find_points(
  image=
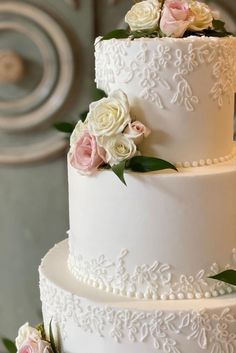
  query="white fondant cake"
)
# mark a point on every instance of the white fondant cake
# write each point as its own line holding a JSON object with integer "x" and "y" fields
{"x": 160, "y": 237}
{"x": 135, "y": 274}
{"x": 92, "y": 321}
{"x": 182, "y": 89}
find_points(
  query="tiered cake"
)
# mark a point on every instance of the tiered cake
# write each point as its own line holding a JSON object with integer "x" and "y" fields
{"x": 134, "y": 275}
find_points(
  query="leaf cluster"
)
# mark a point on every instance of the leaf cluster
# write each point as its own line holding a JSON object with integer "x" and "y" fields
{"x": 218, "y": 30}
{"x": 141, "y": 164}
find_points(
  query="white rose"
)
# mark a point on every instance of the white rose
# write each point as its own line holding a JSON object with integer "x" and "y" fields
{"x": 119, "y": 148}
{"x": 109, "y": 116}
{"x": 202, "y": 16}
{"x": 77, "y": 132}
{"x": 137, "y": 131}
{"x": 24, "y": 333}
{"x": 144, "y": 15}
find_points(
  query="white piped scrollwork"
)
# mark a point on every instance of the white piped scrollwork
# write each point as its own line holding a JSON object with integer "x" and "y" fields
{"x": 147, "y": 67}
{"x": 155, "y": 281}
{"x": 209, "y": 330}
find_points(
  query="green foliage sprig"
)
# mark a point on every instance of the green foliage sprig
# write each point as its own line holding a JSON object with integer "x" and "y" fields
{"x": 141, "y": 164}
{"x": 228, "y": 276}
{"x": 218, "y": 30}
{"x": 9, "y": 345}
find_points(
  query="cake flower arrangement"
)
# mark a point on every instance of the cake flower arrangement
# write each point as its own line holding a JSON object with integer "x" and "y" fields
{"x": 170, "y": 18}
{"x": 31, "y": 340}
{"x": 107, "y": 137}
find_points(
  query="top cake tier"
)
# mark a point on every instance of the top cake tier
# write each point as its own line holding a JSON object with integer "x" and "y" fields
{"x": 182, "y": 88}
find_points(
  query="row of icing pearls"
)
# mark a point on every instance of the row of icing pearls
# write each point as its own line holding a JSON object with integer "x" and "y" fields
{"x": 208, "y": 293}
{"x": 207, "y": 162}
{"x": 147, "y": 296}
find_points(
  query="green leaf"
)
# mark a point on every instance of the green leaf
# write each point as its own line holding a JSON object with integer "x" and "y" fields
{"x": 9, "y": 345}
{"x": 40, "y": 328}
{"x": 146, "y": 34}
{"x": 65, "y": 127}
{"x": 228, "y": 276}
{"x": 144, "y": 164}
{"x": 51, "y": 338}
{"x": 117, "y": 34}
{"x": 219, "y": 25}
{"x": 98, "y": 94}
{"x": 83, "y": 115}
{"x": 119, "y": 169}
{"x": 218, "y": 31}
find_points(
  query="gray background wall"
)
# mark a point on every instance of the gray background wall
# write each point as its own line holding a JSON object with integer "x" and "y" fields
{"x": 33, "y": 196}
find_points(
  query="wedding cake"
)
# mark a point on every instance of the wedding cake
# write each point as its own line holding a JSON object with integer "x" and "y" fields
{"x": 134, "y": 275}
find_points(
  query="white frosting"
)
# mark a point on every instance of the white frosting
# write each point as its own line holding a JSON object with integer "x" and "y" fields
{"x": 183, "y": 89}
{"x": 164, "y": 234}
{"x": 160, "y": 237}
{"x": 147, "y": 281}
{"x": 99, "y": 322}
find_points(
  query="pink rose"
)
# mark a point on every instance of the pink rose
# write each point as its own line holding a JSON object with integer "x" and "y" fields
{"x": 175, "y": 19}
{"x": 137, "y": 131}
{"x": 33, "y": 345}
{"x": 85, "y": 155}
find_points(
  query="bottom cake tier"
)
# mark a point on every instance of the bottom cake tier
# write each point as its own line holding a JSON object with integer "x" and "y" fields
{"x": 88, "y": 320}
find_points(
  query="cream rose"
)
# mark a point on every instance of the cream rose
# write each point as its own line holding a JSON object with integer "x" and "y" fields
{"x": 77, "y": 132}
{"x": 24, "y": 333}
{"x": 109, "y": 116}
{"x": 119, "y": 148}
{"x": 202, "y": 16}
{"x": 137, "y": 131}
{"x": 144, "y": 15}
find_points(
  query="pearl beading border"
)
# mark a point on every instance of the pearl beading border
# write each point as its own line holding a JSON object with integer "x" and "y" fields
{"x": 212, "y": 291}
{"x": 206, "y": 162}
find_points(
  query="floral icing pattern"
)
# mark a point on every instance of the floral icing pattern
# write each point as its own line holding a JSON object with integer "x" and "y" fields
{"x": 213, "y": 331}
{"x": 115, "y": 64}
{"x": 155, "y": 281}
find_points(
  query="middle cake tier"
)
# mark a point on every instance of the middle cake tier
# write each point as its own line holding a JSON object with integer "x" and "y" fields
{"x": 160, "y": 237}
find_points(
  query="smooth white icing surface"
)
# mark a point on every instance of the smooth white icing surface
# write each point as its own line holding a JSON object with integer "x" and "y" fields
{"x": 89, "y": 320}
{"x": 160, "y": 237}
{"x": 183, "y": 89}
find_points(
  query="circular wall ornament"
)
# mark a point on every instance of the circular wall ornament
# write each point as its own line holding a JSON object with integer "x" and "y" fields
{"x": 56, "y": 63}
{"x": 39, "y": 94}
{"x": 36, "y": 78}
{"x": 75, "y": 3}
{"x": 40, "y": 151}
{"x": 11, "y": 67}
